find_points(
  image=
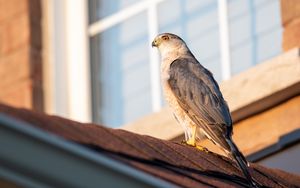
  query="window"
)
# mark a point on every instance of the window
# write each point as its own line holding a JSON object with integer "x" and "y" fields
{"x": 124, "y": 68}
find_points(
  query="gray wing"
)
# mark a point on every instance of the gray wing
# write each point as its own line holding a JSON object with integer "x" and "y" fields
{"x": 198, "y": 94}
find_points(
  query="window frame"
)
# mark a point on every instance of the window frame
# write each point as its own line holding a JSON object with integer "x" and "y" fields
{"x": 67, "y": 67}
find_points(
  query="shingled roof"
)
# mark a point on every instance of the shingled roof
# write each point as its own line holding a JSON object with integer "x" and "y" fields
{"x": 176, "y": 163}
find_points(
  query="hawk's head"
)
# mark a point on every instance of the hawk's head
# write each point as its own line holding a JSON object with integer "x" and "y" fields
{"x": 168, "y": 42}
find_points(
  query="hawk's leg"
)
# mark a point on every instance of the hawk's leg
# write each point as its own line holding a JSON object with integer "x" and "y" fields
{"x": 191, "y": 139}
{"x": 189, "y": 135}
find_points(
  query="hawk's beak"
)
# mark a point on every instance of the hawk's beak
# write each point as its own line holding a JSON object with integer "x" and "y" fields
{"x": 154, "y": 43}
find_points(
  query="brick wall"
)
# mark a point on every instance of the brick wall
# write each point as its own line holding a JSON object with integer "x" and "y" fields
{"x": 290, "y": 15}
{"x": 20, "y": 53}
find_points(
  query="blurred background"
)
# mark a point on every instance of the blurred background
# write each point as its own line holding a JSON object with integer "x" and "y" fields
{"x": 98, "y": 64}
{"x": 100, "y": 67}
{"x": 92, "y": 61}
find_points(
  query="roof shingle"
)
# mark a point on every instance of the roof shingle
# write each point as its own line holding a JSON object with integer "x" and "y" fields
{"x": 180, "y": 164}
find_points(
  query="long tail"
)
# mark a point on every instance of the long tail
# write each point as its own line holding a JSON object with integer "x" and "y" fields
{"x": 241, "y": 161}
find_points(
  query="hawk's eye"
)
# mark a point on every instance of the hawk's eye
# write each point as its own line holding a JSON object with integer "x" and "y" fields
{"x": 165, "y": 37}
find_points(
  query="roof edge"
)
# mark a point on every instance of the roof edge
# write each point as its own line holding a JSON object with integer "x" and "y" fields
{"x": 27, "y": 167}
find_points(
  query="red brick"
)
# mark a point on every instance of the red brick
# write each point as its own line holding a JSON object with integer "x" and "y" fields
{"x": 36, "y": 66}
{"x": 35, "y": 23}
{"x": 20, "y": 53}
{"x": 38, "y": 97}
{"x": 36, "y": 36}
{"x": 14, "y": 67}
{"x": 290, "y": 10}
{"x": 23, "y": 94}
{"x": 18, "y": 94}
{"x": 14, "y": 34}
{"x": 11, "y": 8}
{"x": 35, "y": 11}
{"x": 291, "y": 35}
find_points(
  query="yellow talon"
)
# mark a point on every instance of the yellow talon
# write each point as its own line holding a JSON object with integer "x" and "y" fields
{"x": 201, "y": 148}
{"x": 191, "y": 142}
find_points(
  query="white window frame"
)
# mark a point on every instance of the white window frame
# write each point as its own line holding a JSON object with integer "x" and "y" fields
{"x": 224, "y": 39}
{"x": 68, "y": 66}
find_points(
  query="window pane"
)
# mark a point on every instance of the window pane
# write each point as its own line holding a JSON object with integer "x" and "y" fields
{"x": 101, "y": 8}
{"x": 121, "y": 72}
{"x": 255, "y": 32}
